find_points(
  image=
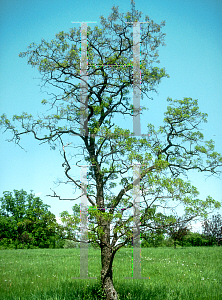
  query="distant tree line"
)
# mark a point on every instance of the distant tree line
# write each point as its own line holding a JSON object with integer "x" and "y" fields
{"x": 26, "y": 222}
{"x": 179, "y": 234}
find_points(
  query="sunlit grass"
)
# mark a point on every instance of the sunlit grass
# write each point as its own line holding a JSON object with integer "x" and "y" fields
{"x": 184, "y": 273}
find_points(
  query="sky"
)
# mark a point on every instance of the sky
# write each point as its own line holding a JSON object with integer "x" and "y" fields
{"x": 192, "y": 57}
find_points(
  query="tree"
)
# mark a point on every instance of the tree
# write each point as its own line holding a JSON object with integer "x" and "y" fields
{"x": 195, "y": 239}
{"x": 165, "y": 156}
{"x": 212, "y": 229}
{"x": 8, "y": 231}
{"x": 26, "y": 221}
{"x": 178, "y": 231}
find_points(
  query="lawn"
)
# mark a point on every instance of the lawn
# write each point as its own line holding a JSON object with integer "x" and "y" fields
{"x": 183, "y": 273}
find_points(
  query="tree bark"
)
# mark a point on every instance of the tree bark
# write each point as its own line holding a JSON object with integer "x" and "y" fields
{"x": 107, "y": 256}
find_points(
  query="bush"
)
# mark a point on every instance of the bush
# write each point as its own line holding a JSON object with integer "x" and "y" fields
{"x": 7, "y": 244}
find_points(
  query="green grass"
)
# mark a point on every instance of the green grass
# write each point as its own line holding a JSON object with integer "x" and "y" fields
{"x": 183, "y": 273}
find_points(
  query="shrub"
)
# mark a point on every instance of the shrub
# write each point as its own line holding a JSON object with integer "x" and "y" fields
{"x": 7, "y": 244}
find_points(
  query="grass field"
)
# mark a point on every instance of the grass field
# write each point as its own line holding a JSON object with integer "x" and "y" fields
{"x": 183, "y": 273}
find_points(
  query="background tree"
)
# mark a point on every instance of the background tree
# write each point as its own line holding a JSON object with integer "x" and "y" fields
{"x": 195, "y": 239}
{"x": 212, "y": 229}
{"x": 178, "y": 230}
{"x": 169, "y": 152}
{"x": 25, "y": 221}
{"x": 8, "y": 231}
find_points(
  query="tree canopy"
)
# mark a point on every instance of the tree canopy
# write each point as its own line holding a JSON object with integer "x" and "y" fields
{"x": 165, "y": 154}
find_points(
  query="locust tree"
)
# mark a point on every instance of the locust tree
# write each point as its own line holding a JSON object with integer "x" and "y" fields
{"x": 166, "y": 154}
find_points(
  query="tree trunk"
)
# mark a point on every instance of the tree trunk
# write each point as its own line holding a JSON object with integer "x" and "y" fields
{"x": 107, "y": 253}
{"x": 107, "y": 256}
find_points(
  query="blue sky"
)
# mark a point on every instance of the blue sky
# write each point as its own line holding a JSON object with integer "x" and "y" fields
{"x": 192, "y": 57}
